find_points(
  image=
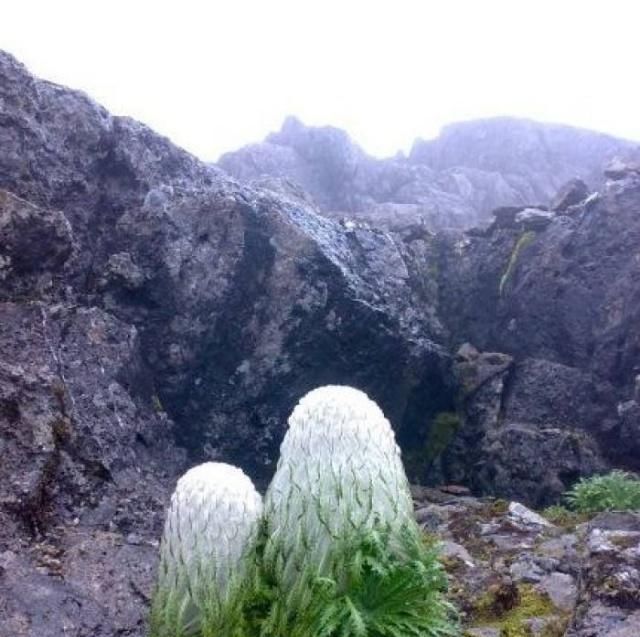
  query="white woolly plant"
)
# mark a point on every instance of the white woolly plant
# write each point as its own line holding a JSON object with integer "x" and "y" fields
{"x": 342, "y": 544}
{"x": 339, "y": 472}
{"x": 207, "y": 549}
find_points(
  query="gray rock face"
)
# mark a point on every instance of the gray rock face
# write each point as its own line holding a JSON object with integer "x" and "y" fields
{"x": 536, "y": 160}
{"x": 563, "y": 303}
{"x": 86, "y": 461}
{"x": 512, "y": 572}
{"x": 34, "y": 245}
{"x": 453, "y": 181}
{"x": 529, "y": 427}
{"x": 610, "y": 585}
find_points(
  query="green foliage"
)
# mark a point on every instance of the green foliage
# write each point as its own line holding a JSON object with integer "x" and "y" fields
{"x": 520, "y": 245}
{"x": 336, "y": 551}
{"x": 564, "y": 517}
{"x": 216, "y": 615}
{"x": 614, "y": 491}
{"x": 364, "y": 591}
{"x": 511, "y": 621}
{"x": 368, "y": 592}
{"x": 443, "y": 428}
{"x": 558, "y": 514}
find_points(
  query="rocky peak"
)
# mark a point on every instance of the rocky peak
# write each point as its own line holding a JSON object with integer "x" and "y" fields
{"x": 453, "y": 181}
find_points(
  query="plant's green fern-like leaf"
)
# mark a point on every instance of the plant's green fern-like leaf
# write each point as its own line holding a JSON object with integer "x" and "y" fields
{"x": 376, "y": 595}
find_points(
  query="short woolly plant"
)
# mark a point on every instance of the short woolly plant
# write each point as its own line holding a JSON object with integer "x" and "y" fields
{"x": 614, "y": 491}
{"x": 342, "y": 552}
{"x": 207, "y": 554}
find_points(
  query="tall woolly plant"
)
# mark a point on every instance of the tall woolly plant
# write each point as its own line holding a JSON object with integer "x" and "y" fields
{"x": 342, "y": 551}
{"x": 206, "y": 554}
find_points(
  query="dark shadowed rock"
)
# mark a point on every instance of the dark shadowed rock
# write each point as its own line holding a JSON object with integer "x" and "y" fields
{"x": 572, "y": 193}
{"x": 34, "y": 245}
{"x": 564, "y": 297}
{"x": 523, "y": 427}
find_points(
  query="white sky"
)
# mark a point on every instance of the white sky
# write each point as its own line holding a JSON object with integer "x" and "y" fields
{"x": 219, "y": 74}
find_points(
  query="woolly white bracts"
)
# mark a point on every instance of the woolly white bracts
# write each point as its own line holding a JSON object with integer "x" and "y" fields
{"x": 211, "y": 525}
{"x": 339, "y": 473}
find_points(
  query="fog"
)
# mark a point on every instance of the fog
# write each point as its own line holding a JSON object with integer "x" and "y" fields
{"x": 216, "y": 75}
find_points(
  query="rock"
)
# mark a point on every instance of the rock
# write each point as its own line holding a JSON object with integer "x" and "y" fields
{"x": 571, "y": 194}
{"x": 582, "y": 260}
{"x": 511, "y": 412}
{"x": 429, "y": 517}
{"x": 629, "y": 426}
{"x": 121, "y": 270}
{"x": 455, "y": 489}
{"x": 616, "y": 521}
{"x": 609, "y": 594}
{"x": 527, "y": 571}
{"x": 526, "y": 517}
{"x": 561, "y": 589}
{"x": 466, "y": 353}
{"x": 551, "y": 394}
{"x": 483, "y": 631}
{"x": 553, "y": 457}
{"x": 619, "y": 168}
{"x": 474, "y": 369}
{"x": 562, "y": 552}
{"x": 544, "y": 626}
{"x": 505, "y": 216}
{"x": 534, "y": 219}
{"x": 34, "y": 243}
{"x": 454, "y": 551}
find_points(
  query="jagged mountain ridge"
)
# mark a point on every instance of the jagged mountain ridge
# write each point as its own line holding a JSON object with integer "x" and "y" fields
{"x": 452, "y": 181}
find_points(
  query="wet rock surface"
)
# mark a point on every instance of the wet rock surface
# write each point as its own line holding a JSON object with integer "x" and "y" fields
{"x": 562, "y": 302}
{"x": 512, "y": 572}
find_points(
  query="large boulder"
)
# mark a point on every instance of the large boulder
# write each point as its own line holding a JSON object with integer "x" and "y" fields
{"x": 563, "y": 301}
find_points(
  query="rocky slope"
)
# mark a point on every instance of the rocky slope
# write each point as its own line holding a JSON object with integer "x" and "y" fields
{"x": 147, "y": 302}
{"x": 557, "y": 292}
{"x": 514, "y": 574}
{"x": 155, "y": 313}
{"x": 453, "y": 181}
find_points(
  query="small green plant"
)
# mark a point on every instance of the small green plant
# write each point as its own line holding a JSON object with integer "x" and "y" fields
{"x": 614, "y": 491}
{"x": 520, "y": 245}
{"x": 561, "y": 516}
{"x": 443, "y": 428}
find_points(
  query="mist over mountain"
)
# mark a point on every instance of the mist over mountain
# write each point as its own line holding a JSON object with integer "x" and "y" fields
{"x": 452, "y": 181}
